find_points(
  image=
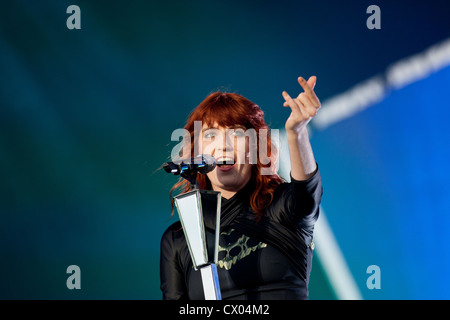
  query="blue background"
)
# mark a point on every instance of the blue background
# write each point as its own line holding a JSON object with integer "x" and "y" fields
{"x": 86, "y": 117}
{"x": 387, "y": 197}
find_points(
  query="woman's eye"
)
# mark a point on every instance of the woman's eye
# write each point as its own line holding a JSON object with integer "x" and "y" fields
{"x": 209, "y": 135}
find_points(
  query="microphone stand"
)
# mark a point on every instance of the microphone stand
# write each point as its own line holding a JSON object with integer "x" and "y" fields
{"x": 191, "y": 207}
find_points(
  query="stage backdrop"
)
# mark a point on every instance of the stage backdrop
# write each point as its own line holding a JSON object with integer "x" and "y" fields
{"x": 86, "y": 117}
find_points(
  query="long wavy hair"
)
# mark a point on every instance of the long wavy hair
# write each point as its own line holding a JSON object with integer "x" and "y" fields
{"x": 229, "y": 110}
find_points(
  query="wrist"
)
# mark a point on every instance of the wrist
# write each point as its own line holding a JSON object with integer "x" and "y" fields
{"x": 295, "y": 134}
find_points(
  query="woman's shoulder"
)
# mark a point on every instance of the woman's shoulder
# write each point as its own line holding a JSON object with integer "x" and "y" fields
{"x": 296, "y": 200}
{"x": 173, "y": 232}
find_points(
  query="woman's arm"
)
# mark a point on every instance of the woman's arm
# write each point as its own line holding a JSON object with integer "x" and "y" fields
{"x": 171, "y": 274}
{"x": 303, "y": 109}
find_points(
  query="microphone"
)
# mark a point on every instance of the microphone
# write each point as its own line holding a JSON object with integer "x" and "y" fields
{"x": 203, "y": 164}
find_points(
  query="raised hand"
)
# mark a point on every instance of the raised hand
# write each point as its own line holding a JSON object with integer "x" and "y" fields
{"x": 304, "y": 107}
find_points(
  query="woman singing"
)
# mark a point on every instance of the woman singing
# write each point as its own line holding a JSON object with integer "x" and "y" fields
{"x": 266, "y": 240}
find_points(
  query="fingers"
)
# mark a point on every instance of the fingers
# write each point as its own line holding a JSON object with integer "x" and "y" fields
{"x": 307, "y": 104}
{"x": 290, "y": 103}
{"x": 300, "y": 106}
{"x": 312, "y": 81}
{"x": 308, "y": 88}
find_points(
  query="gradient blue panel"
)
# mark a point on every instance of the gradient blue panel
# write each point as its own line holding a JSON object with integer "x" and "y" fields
{"x": 387, "y": 193}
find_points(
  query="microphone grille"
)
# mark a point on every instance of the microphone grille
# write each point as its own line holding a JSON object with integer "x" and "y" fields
{"x": 209, "y": 159}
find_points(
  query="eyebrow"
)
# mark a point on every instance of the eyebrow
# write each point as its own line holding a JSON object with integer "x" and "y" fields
{"x": 238, "y": 126}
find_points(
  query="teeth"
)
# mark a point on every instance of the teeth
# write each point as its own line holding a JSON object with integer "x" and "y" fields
{"x": 225, "y": 160}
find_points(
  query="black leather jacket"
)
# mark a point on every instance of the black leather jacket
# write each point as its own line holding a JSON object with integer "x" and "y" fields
{"x": 267, "y": 259}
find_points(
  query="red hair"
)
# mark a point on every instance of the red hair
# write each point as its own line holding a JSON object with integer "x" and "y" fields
{"x": 228, "y": 110}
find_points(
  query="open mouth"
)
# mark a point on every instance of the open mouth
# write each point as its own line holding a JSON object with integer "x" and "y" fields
{"x": 225, "y": 164}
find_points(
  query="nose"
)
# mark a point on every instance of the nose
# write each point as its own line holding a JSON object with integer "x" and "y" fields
{"x": 227, "y": 143}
